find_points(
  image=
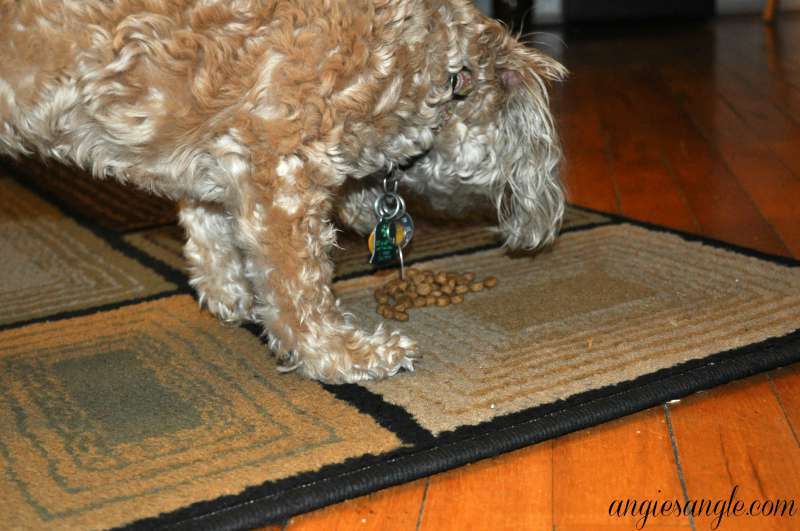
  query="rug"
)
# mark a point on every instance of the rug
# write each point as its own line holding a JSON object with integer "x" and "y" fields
{"x": 123, "y": 404}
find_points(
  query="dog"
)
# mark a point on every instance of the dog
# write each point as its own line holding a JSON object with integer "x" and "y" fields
{"x": 269, "y": 119}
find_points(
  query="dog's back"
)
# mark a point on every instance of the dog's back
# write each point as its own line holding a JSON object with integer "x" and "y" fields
{"x": 120, "y": 87}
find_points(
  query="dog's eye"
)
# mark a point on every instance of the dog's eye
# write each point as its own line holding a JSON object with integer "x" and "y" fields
{"x": 462, "y": 85}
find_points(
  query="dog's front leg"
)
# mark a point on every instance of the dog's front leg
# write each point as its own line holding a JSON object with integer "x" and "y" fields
{"x": 216, "y": 265}
{"x": 285, "y": 232}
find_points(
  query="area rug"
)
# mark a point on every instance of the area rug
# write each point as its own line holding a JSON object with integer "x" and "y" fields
{"x": 122, "y": 404}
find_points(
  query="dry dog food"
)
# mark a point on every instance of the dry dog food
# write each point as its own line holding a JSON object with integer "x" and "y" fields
{"x": 423, "y": 288}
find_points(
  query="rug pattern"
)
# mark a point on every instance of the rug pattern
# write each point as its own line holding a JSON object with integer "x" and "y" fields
{"x": 124, "y": 404}
{"x": 52, "y": 265}
{"x": 133, "y": 412}
{"x": 603, "y": 306}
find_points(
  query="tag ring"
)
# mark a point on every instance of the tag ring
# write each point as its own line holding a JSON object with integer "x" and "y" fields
{"x": 386, "y": 182}
{"x": 385, "y": 211}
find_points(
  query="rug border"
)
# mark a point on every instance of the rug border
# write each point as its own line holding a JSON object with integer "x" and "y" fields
{"x": 618, "y": 219}
{"x": 257, "y": 506}
{"x": 501, "y": 435}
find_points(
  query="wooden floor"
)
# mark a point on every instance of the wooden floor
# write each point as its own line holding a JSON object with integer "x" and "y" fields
{"x": 695, "y": 127}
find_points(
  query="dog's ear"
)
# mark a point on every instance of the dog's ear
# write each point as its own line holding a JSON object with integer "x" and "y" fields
{"x": 529, "y": 197}
{"x": 515, "y": 63}
{"x": 526, "y": 66}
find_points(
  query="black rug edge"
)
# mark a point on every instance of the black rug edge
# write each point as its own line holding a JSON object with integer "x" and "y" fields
{"x": 486, "y": 440}
{"x": 616, "y": 219}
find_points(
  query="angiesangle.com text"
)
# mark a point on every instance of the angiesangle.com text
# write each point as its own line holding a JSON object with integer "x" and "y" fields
{"x": 717, "y": 509}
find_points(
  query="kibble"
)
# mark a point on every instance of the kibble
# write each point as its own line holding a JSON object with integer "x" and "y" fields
{"x": 423, "y": 288}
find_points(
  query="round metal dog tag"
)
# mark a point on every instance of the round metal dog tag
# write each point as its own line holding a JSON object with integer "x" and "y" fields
{"x": 405, "y": 230}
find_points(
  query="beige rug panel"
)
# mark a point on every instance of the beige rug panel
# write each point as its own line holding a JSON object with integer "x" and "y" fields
{"x": 605, "y": 306}
{"x": 126, "y": 414}
{"x": 51, "y": 264}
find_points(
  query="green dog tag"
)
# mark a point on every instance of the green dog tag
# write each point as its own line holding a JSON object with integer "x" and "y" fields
{"x": 383, "y": 243}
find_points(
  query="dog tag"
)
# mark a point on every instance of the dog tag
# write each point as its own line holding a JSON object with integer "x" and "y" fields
{"x": 382, "y": 243}
{"x": 394, "y": 229}
{"x": 404, "y": 226}
{"x": 388, "y": 238}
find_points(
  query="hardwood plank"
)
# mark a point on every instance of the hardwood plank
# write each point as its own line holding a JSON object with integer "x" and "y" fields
{"x": 648, "y": 523}
{"x": 737, "y": 436}
{"x": 765, "y": 119}
{"x": 394, "y": 508}
{"x": 587, "y": 170}
{"x": 764, "y": 69}
{"x": 786, "y": 383}
{"x": 513, "y": 491}
{"x": 784, "y": 39}
{"x": 762, "y": 91}
{"x": 630, "y": 458}
{"x": 722, "y": 208}
{"x": 778, "y": 200}
{"x": 623, "y": 527}
{"x": 647, "y": 190}
{"x": 770, "y": 185}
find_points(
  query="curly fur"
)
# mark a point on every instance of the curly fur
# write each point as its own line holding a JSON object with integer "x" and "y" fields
{"x": 265, "y": 119}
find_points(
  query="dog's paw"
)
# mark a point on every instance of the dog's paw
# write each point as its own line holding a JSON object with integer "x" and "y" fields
{"x": 232, "y": 313}
{"x": 232, "y": 307}
{"x": 380, "y": 355}
{"x": 355, "y": 356}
